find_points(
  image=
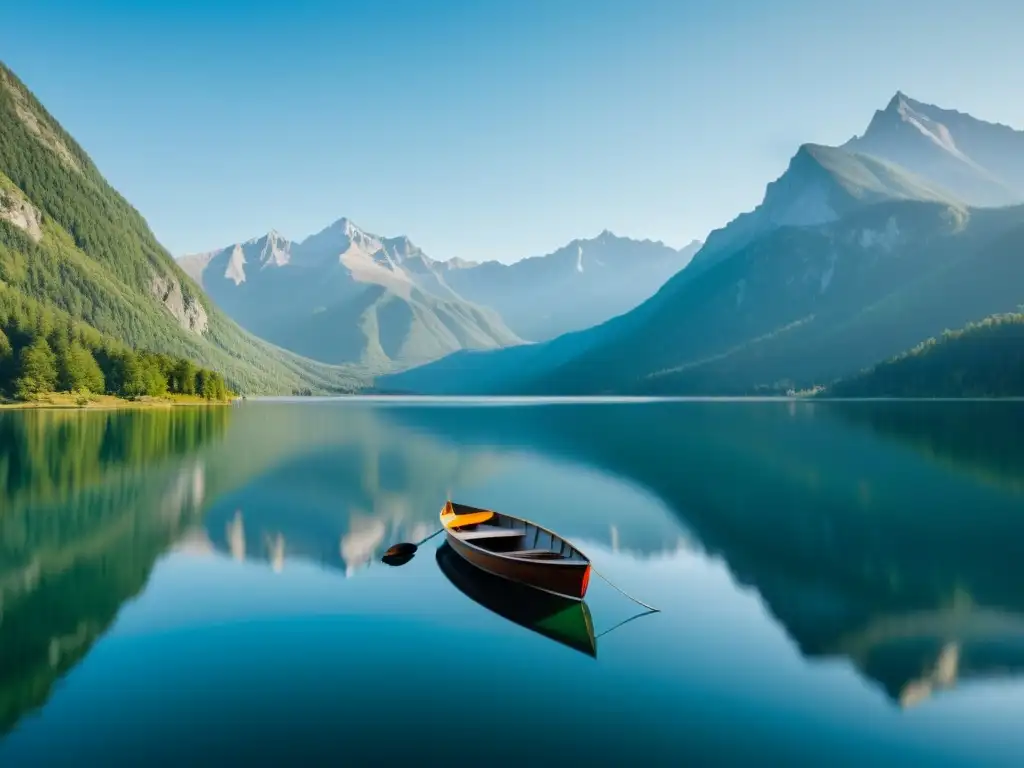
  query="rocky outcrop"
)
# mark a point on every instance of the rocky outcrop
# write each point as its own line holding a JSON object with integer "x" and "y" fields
{"x": 38, "y": 125}
{"x": 22, "y": 214}
{"x": 187, "y": 310}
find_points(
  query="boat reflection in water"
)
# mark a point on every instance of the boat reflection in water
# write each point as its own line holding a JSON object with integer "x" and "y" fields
{"x": 561, "y": 619}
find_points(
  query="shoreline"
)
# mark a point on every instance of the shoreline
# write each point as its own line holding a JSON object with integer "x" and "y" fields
{"x": 61, "y": 401}
{"x": 611, "y": 399}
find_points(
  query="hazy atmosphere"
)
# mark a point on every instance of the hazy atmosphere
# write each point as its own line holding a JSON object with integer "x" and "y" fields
{"x": 486, "y": 129}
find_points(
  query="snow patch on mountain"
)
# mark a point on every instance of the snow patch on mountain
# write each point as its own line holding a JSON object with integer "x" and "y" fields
{"x": 885, "y": 239}
{"x": 276, "y": 251}
{"x": 375, "y": 266}
{"x": 235, "y": 268}
{"x": 931, "y": 129}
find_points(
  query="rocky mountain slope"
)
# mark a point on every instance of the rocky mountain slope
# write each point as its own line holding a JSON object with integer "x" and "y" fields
{"x": 580, "y": 285}
{"x": 344, "y": 295}
{"x": 820, "y": 185}
{"x": 850, "y": 259}
{"x": 71, "y": 244}
{"x": 980, "y": 163}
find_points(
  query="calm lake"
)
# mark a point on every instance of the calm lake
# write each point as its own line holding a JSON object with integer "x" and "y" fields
{"x": 838, "y": 584}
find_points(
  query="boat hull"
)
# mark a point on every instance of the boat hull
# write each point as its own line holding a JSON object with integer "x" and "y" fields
{"x": 565, "y": 578}
{"x": 558, "y": 618}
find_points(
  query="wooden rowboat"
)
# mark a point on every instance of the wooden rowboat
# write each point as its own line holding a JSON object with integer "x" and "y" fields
{"x": 516, "y": 549}
{"x": 557, "y": 618}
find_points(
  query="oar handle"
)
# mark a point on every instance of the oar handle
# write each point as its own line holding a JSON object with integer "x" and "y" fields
{"x": 424, "y": 541}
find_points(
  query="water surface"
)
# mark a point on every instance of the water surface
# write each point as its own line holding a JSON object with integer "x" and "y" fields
{"x": 839, "y": 584}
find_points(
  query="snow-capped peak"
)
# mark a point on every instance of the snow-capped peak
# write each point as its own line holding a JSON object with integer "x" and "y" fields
{"x": 903, "y": 111}
{"x": 234, "y": 270}
{"x": 276, "y": 252}
{"x": 897, "y": 102}
{"x": 348, "y": 228}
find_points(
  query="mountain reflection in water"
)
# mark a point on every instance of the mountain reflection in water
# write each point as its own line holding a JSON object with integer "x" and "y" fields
{"x": 886, "y": 535}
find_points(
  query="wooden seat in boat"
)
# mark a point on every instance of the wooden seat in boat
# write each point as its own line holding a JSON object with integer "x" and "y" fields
{"x": 489, "y": 532}
{"x": 535, "y": 553}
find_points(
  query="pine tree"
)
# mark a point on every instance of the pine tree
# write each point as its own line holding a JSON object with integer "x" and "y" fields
{"x": 153, "y": 376}
{"x": 209, "y": 390}
{"x": 5, "y": 345}
{"x": 220, "y": 391}
{"x": 128, "y": 379}
{"x": 37, "y": 370}
{"x": 78, "y": 369}
{"x": 6, "y": 362}
{"x": 183, "y": 378}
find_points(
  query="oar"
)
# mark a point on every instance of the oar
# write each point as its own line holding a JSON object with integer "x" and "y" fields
{"x": 402, "y": 552}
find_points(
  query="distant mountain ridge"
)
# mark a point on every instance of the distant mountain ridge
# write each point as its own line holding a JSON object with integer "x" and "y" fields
{"x": 980, "y": 163}
{"x": 344, "y": 295}
{"x": 583, "y": 283}
{"x": 853, "y": 256}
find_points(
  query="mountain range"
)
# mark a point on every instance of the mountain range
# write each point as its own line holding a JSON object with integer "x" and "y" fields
{"x": 855, "y": 254}
{"x": 580, "y": 285}
{"x": 345, "y": 295}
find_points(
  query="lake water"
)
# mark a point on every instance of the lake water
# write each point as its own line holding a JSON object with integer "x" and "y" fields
{"x": 838, "y": 584}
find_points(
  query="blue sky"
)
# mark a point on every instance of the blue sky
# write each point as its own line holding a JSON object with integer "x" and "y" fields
{"x": 487, "y": 129}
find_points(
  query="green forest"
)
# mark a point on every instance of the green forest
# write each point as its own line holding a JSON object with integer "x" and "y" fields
{"x": 983, "y": 359}
{"x": 44, "y": 351}
{"x": 92, "y": 256}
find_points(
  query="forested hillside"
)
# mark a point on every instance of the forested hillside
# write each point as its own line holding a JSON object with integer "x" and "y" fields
{"x": 71, "y": 242}
{"x": 42, "y": 351}
{"x": 984, "y": 359}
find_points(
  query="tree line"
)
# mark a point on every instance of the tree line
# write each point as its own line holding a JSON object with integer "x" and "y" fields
{"x": 983, "y": 359}
{"x": 41, "y": 352}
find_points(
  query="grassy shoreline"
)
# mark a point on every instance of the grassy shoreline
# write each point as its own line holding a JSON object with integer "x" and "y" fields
{"x": 68, "y": 400}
